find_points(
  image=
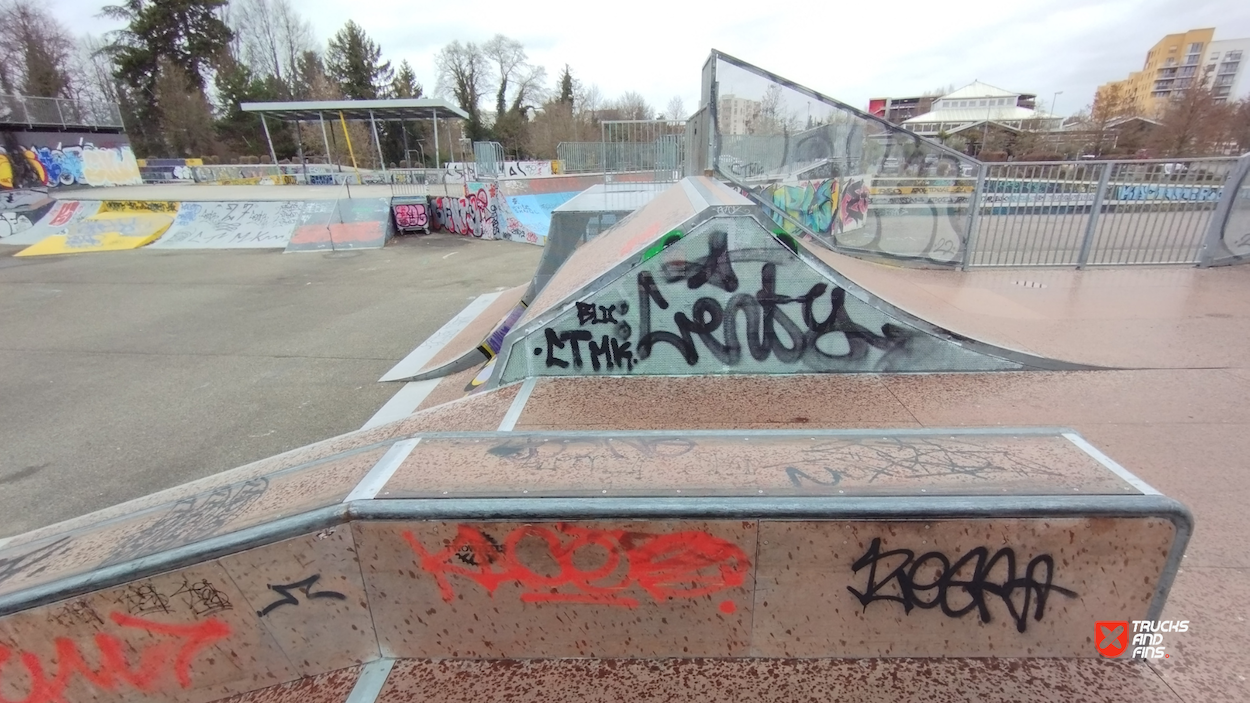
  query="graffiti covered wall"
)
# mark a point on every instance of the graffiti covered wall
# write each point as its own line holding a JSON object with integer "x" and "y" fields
{"x": 828, "y": 206}
{"x": 731, "y": 298}
{"x": 68, "y": 159}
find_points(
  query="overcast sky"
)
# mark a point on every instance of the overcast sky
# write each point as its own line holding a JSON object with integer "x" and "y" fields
{"x": 850, "y": 50}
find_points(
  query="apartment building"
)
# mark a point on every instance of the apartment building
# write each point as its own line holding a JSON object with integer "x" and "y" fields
{"x": 1176, "y": 63}
{"x": 734, "y": 114}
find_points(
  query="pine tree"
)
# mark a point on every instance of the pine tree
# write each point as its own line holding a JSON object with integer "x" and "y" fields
{"x": 566, "y": 86}
{"x": 187, "y": 33}
{"x": 354, "y": 61}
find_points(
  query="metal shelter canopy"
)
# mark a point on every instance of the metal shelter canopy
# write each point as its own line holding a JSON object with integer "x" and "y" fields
{"x": 371, "y": 110}
{"x": 397, "y": 109}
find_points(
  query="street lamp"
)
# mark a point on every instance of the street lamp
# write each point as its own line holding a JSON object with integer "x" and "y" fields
{"x": 1053, "y": 100}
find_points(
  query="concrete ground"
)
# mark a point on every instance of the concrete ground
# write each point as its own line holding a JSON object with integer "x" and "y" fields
{"x": 124, "y": 373}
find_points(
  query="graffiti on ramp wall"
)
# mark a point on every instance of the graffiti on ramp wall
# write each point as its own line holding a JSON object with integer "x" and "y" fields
{"x": 828, "y": 206}
{"x": 82, "y": 164}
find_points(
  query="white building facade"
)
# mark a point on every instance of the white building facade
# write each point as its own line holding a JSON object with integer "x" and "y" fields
{"x": 978, "y": 103}
{"x": 1225, "y": 68}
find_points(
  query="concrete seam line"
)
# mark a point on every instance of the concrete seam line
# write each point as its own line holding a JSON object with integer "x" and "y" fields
{"x": 382, "y": 471}
{"x": 403, "y": 403}
{"x": 371, "y": 680}
{"x": 420, "y": 356}
{"x": 1111, "y": 464}
{"x": 518, "y": 405}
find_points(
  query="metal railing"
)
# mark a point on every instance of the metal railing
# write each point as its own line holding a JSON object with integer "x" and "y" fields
{"x": 58, "y": 112}
{"x": 1094, "y": 213}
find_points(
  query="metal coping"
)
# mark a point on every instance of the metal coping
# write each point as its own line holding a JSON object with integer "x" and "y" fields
{"x": 825, "y": 508}
{"x": 565, "y": 509}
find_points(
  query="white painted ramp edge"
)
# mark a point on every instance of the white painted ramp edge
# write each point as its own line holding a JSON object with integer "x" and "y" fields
{"x": 412, "y": 363}
{"x": 403, "y": 403}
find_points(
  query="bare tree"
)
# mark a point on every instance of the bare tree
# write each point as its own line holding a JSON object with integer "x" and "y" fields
{"x": 508, "y": 56}
{"x": 270, "y": 37}
{"x": 36, "y": 51}
{"x": 676, "y": 109}
{"x": 462, "y": 75}
{"x": 186, "y": 117}
{"x": 1195, "y": 124}
{"x": 630, "y": 106}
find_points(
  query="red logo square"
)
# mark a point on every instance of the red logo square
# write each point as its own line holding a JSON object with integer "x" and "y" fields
{"x": 1111, "y": 637}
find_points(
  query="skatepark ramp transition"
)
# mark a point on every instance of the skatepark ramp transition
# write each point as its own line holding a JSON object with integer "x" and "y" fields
{"x": 487, "y": 546}
{"x": 481, "y": 532}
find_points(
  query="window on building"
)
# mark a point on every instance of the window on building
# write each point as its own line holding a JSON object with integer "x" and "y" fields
{"x": 1195, "y": 48}
{"x": 1188, "y": 71}
{"x": 1215, "y": 55}
{"x": 1232, "y": 56}
{"x": 1170, "y": 62}
{"x": 1225, "y": 79}
{"x": 1227, "y": 67}
{"x": 982, "y": 104}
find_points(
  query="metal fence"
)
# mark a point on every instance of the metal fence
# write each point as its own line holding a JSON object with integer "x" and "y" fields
{"x": 1094, "y": 213}
{"x": 58, "y": 112}
{"x": 630, "y": 150}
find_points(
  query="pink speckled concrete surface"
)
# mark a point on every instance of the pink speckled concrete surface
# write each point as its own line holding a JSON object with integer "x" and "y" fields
{"x": 1123, "y": 317}
{"x": 477, "y": 330}
{"x": 773, "y": 681}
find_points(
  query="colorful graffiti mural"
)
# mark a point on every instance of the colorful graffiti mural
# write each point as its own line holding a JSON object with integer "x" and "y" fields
{"x": 82, "y": 164}
{"x": 827, "y": 206}
{"x": 412, "y": 216}
{"x": 474, "y": 215}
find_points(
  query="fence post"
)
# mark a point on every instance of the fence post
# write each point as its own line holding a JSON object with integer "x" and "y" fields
{"x": 970, "y": 240}
{"x": 1219, "y": 218}
{"x": 1091, "y": 227}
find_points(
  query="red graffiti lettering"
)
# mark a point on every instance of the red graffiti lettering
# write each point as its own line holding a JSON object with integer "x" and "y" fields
{"x": 173, "y": 653}
{"x": 678, "y": 565}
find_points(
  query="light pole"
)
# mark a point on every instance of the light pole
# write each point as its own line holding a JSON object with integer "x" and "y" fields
{"x": 1054, "y": 99}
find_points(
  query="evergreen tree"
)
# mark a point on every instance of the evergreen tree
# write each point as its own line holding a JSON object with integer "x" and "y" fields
{"x": 566, "y": 86}
{"x": 354, "y": 61}
{"x": 188, "y": 34}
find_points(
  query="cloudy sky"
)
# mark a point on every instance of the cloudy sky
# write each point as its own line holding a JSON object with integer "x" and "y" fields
{"x": 850, "y": 50}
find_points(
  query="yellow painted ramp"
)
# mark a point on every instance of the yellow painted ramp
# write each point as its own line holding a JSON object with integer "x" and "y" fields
{"x": 107, "y": 231}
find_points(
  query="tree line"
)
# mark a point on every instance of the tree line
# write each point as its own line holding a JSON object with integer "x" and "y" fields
{"x": 180, "y": 69}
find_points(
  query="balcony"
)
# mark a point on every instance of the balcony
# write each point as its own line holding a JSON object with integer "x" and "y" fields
{"x": 59, "y": 113}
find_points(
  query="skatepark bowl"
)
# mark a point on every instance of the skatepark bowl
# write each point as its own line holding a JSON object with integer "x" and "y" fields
{"x": 701, "y": 456}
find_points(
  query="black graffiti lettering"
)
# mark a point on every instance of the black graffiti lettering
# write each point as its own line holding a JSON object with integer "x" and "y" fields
{"x": 203, "y": 598}
{"x": 304, "y": 586}
{"x": 716, "y": 268}
{"x": 573, "y": 337}
{"x": 769, "y": 330}
{"x": 1036, "y": 584}
{"x": 623, "y": 356}
{"x": 648, "y": 291}
{"x": 588, "y": 313}
{"x": 796, "y": 474}
{"x": 602, "y": 349}
{"x": 553, "y": 343}
{"x": 585, "y": 313}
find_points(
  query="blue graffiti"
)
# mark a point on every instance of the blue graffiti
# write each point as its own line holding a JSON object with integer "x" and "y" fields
{"x": 1180, "y": 193}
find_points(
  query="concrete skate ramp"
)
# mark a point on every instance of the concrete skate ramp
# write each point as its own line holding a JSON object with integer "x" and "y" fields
{"x": 738, "y": 544}
{"x": 116, "y": 226}
{"x": 473, "y": 342}
{"x": 357, "y": 223}
{"x": 233, "y": 225}
{"x": 58, "y": 218}
{"x": 697, "y": 283}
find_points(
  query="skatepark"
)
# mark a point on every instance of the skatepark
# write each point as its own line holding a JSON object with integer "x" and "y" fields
{"x": 710, "y": 451}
